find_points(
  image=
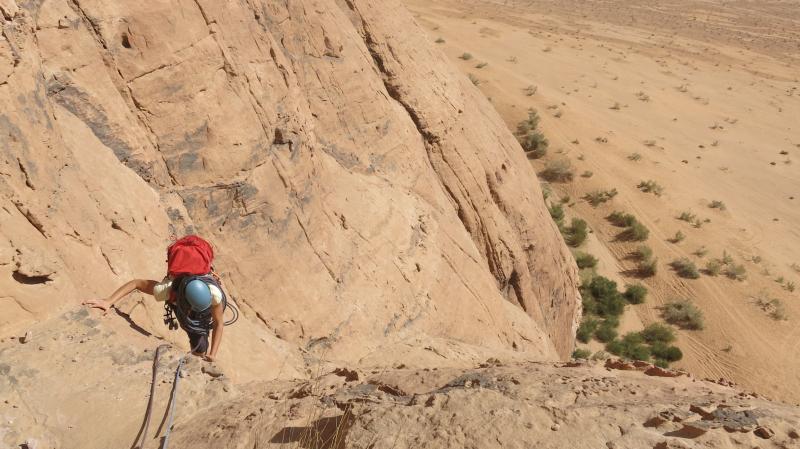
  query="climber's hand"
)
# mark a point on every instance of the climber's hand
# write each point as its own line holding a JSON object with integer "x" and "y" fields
{"x": 101, "y": 304}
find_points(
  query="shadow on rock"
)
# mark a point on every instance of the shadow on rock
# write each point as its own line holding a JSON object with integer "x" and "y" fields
{"x": 324, "y": 433}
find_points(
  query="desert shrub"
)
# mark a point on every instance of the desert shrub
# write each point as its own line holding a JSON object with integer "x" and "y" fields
{"x": 586, "y": 329}
{"x": 658, "y": 333}
{"x": 683, "y": 314}
{"x": 667, "y": 353}
{"x": 687, "y": 217}
{"x": 481, "y": 65}
{"x": 585, "y": 260}
{"x": 630, "y": 346}
{"x": 736, "y": 271}
{"x": 716, "y": 204}
{"x": 726, "y": 259}
{"x": 638, "y": 352}
{"x": 531, "y": 90}
{"x": 565, "y": 199}
{"x": 440, "y": 40}
{"x": 466, "y": 56}
{"x": 635, "y": 157}
{"x": 685, "y": 268}
{"x": 773, "y": 306}
{"x": 701, "y": 252}
{"x": 607, "y": 299}
{"x": 636, "y": 232}
{"x": 618, "y": 218}
{"x": 587, "y": 174}
{"x": 581, "y": 354}
{"x": 474, "y": 79}
{"x": 790, "y": 286}
{"x": 678, "y": 237}
{"x": 635, "y": 293}
{"x": 598, "y": 197}
{"x": 643, "y": 252}
{"x": 557, "y": 214}
{"x": 651, "y": 186}
{"x": 530, "y": 138}
{"x": 576, "y": 233}
{"x": 615, "y": 347}
{"x": 535, "y": 144}
{"x": 606, "y": 332}
{"x": 647, "y": 268}
{"x": 713, "y": 267}
{"x": 558, "y": 170}
{"x": 529, "y": 124}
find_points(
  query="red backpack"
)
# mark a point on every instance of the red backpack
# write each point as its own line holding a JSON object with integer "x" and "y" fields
{"x": 190, "y": 255}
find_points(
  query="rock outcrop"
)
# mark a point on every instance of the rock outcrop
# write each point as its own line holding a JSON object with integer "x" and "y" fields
{"x": 362, "y": 195}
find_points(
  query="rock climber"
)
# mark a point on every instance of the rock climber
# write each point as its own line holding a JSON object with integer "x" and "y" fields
{"x": 191, "y": 291}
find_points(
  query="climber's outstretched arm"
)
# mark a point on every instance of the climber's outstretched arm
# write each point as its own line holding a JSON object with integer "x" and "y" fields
{"x": 143, "y": 285}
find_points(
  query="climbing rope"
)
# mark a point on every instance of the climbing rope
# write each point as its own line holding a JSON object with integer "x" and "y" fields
{"x": 139, "y": 444}
{"x": 171, "y": 415}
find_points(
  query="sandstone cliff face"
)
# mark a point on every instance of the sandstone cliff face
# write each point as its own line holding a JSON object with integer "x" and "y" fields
{"x": 361, "y": 193}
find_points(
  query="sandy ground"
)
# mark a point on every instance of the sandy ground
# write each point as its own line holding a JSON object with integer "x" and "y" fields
{"x": 707, "y": 93}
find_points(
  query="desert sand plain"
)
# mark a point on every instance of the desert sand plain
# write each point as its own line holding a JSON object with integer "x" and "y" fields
{"x": 701, "y": 97}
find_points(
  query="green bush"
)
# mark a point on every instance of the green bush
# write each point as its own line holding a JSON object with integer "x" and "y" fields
{"x": 651, "y": 186}
{"x": 647, "y": 268}
{"x": 581, "y": 354}
{"x": 685, "y": 268}
{"x": 716, "y": 204}
{"x": 683, "y": 314}
{"x": 635, "y": 293}
{"x": 530, "y": 138}
{"x": 621, "y": 219}
{"x": 576, "y": 233}
{"x": 606, "y": 332}
{"x": 604, "y": 299}
{"x": 636, "y": 232}
{"x": 643, "y": 252}
{"x": 630, "y": 346}
{"x": 736, "y": 272}
{"x": 639, "y": 352}
{"x": 586, "y": 329}
{"x": 598, "y": 197}
{"x": 557, "y": 214}
{"x": 713, "y": 267}
{"x": 661, "y": 363}
{"x": 558, "y": 170}
{"x": 585, "y": 260}
{"x": 667, "y": 353}
{"x": 679, "y": 236}
{"x": 658, "y": 333}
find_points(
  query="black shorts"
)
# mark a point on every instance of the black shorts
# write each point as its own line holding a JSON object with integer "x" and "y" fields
{"x": 198, "y": 342}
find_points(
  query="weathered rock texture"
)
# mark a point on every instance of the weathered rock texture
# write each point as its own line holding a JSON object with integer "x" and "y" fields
{"x": 362, "y": 195}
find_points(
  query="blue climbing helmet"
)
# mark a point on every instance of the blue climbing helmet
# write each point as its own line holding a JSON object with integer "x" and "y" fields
{"x": 198, "y": 295}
